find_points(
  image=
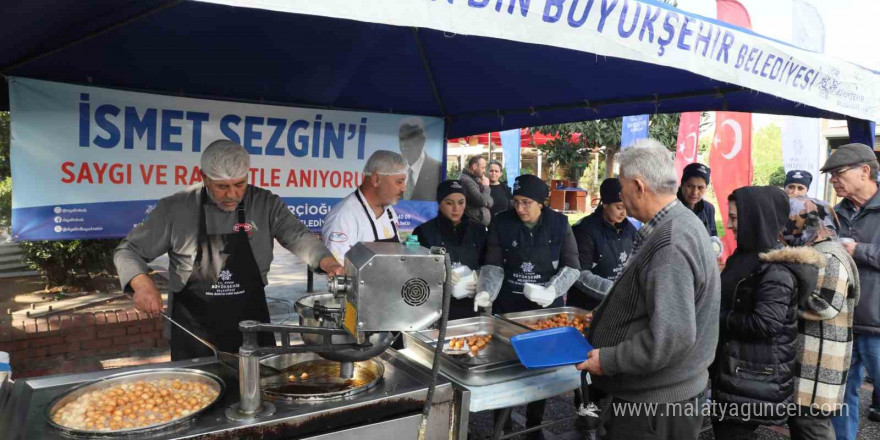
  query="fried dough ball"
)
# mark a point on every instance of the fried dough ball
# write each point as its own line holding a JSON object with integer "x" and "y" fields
{"x": 134, "y": 405}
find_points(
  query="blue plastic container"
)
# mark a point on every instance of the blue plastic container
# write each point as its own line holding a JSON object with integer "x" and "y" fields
{"x": 551, "y": 348}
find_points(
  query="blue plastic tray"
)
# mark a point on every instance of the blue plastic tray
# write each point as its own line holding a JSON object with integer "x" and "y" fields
{"x": 551, "y": 348}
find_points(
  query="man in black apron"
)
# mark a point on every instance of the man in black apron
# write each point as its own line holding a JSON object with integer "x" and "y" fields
{"x": 367, "y": 214}
{"x": 219, "y": 237}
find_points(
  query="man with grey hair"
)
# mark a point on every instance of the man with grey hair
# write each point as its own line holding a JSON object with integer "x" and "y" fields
{"x": 367, "y": 214}
{"x": 422, "y": 171}
{"x": 654, "y": 335}
{"x": 853, "y": 170}
{"x": 219, "y": 236}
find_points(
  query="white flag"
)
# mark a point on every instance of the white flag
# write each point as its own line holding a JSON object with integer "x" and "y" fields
{"x": 802, "y": 142}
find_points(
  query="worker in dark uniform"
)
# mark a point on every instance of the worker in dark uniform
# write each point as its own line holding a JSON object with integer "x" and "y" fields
{"x": 797, "y": 183}
{"x": 464, "y": 240}
{"x": 605, "y": 241}
{"x": 694, "y": 182}
{"x": 531, "y": 261}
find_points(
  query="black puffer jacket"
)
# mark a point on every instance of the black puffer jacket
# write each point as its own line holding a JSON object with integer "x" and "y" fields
{"x": 757, "y": 345}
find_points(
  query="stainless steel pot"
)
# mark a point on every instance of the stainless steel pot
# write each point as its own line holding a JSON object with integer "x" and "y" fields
{"x": 325, "y": 310}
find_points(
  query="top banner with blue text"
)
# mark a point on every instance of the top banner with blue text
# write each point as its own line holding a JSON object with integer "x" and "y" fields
{"x": 641, "y": 30}
{"x": 90, "y": 162}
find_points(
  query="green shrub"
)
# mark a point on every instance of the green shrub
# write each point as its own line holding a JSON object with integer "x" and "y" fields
{"x": 70, "y": 263}
{"x": 6, "y": 203}
{"x": 777, "y": 178}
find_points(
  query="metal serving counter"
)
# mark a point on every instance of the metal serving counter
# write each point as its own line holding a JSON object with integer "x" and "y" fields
{"x": 392, "y": 406}
{"x": 494, "y": 382}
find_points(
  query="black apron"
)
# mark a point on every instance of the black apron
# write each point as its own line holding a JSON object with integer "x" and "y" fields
{"x": 528, "y": 258}
{"x": 467, "y": 253}
{"x": 215, "y": 299}
{"x": 369, "y": 212}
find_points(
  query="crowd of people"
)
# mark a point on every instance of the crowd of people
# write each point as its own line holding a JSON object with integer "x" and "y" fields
{"x": 782, "y": 334}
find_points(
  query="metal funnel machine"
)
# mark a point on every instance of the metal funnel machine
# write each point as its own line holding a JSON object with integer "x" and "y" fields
{"x": 389, "y": 287}
{"x": 386, "y": 288}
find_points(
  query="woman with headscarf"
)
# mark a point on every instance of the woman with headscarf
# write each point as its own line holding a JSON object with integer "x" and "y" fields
{"x": 464, "y": 240}
{"x": 825, "y": 320}
{"x": 531, "y": 262}
{"x": 753, "y": 372}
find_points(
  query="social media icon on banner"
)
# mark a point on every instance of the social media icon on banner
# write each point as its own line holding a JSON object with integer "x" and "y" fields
{"x": 58, "y": 229}
{"x": 57, "y": 210}
{"x": 58, "y": 219}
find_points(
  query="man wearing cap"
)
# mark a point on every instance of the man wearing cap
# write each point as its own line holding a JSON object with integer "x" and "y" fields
{"x": 797, "y": 183}
{"x": 219, "y": 236}
{"x": 367, "y": 214}
{"x": 605, "y": 241}
{"x": 853, "y": 171}
{"x": 531, "y": 261}
{"x": 694, "y": 181}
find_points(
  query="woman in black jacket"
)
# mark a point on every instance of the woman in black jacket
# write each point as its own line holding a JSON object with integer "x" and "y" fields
{"x": 500, "y": 191}
{"x": 753, "y": 373}
{"x": 694, "y": 182}
{"x": 464, "y": 240}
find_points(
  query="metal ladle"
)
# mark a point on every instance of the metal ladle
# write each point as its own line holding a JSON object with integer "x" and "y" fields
{"x": 227, "y": 359}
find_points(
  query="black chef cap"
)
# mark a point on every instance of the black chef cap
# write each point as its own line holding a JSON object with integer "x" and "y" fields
{"x": 696, "y": 170}
{"x": 609, "y": 191}
{"x": 798, "y": 176}
{"x": 447, "y": 187}
{"x": 531, "y": 186}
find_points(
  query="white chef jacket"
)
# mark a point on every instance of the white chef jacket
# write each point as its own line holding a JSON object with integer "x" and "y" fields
{"x": 352, "y": 221}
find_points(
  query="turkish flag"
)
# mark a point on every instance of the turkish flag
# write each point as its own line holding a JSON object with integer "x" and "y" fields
{"x": 688, "y": 137}
{"x": 731, "y": 154}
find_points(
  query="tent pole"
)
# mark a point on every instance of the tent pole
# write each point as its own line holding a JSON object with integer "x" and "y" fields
{"x": 427, "y": 65}
{"x": 861, "y": 131}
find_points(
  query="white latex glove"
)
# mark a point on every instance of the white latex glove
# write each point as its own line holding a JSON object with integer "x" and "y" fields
{"x": 543, "y": 296}
{"x": 482, "y": 300}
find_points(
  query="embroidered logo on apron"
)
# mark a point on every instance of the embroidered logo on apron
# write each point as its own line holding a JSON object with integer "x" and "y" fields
{"x": 225, "y": 286}
{"x": 527, "y": 275}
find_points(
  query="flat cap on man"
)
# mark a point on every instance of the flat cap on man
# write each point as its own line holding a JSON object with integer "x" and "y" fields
{"x": 848, "y": 155}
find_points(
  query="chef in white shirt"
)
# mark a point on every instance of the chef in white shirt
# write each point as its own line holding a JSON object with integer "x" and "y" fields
{"x": 367, "y": 214}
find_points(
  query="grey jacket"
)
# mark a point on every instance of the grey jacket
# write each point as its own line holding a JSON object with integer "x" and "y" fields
{"x": 173, "y": 227}
{"x": 863, "y": 226}
{"x": 657, "y": 328}
{"x": 478, "y": 197}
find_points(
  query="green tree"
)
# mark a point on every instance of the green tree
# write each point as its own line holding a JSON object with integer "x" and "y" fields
{"x": 5, "y": 174}
{"x": 766, "y": 153}
{"x": 777, "y": 178}
{"x": 5, "y": 136}
{"x": 576, "y": 141}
